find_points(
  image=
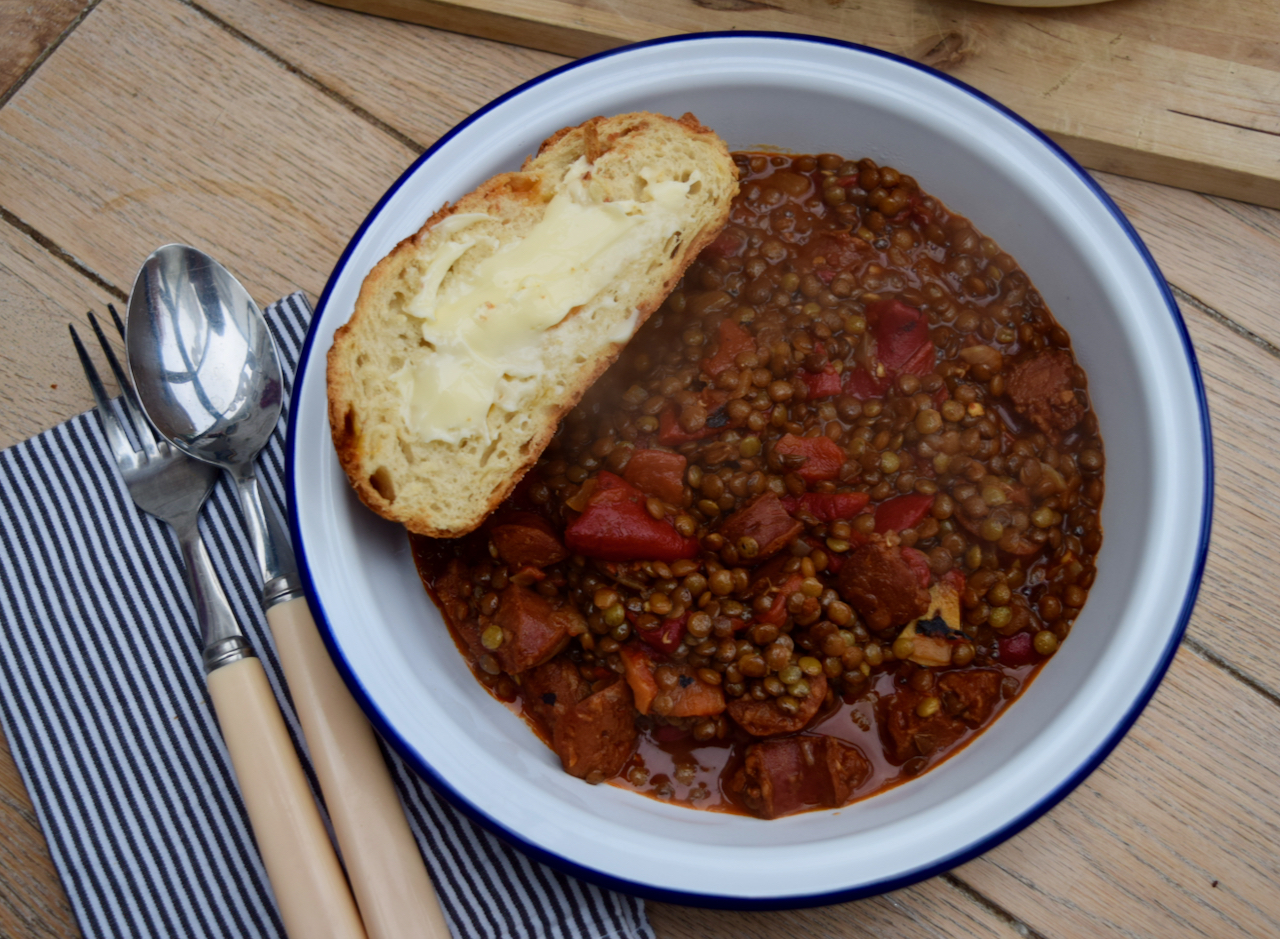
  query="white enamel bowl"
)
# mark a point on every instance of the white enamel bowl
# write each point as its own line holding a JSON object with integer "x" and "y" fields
{"x": 808, "y": 96}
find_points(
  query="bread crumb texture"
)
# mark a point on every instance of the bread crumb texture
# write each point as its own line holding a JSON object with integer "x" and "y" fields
{"x": 475, "y": 335}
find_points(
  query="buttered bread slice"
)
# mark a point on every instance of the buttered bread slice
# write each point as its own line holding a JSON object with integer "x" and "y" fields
{"x": 476, "y": 335}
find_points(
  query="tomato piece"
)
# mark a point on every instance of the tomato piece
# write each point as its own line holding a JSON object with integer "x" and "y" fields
{"x": 668, "y": 634}
{"x": 903, "y": 512}
{"x": 1017, "y": 650}
{"x": 658, "y": 472}
{"x": 822, "y": 384}
{"x": 733, "y": 339}
{"x": 614, "y": 526}
{"x": 822, "y": 456}
{"x": 955, "y": 577}
{"x": 828, "y": 506}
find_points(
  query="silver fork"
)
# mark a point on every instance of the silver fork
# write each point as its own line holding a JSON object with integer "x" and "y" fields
{"x": 168, "y": 484}
{"x": 291, "y": 837}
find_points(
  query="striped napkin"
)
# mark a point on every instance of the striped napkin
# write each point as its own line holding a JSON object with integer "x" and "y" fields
{"x": 103, "y": 701}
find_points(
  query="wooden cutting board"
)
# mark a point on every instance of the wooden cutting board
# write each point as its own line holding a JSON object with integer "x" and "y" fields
{"x": 1182, "y": 92}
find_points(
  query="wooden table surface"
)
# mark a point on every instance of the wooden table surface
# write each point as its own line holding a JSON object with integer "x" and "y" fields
{"x": 264, "y": 130}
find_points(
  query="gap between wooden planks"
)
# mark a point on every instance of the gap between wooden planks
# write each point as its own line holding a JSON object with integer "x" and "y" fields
{"x": 1145, "y": 88}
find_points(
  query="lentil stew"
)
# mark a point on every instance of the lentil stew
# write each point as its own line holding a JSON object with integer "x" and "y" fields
{"x": 824, "y": 519}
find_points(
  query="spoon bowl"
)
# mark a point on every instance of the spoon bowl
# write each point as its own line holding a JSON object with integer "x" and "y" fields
{"x": 202, "y": 357}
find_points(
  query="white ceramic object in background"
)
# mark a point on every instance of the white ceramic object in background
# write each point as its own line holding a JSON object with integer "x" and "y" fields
{"x": 808, "y": 96}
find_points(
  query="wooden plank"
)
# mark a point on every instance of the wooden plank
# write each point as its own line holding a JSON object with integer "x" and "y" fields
{"x": 1174, "y": 836}
{"x": 929, "y": 910}
{"x": 39, "y": 296}
{"x": 1236, "y": 615}
{"x": 353, "y": 55}
{"x": 28, "y": 30}
{"x": 32, "y": 902}
{"x": 254, "y": 164}
{"x": 1225, "y": 254}
{"x": 1122, "y": 95}
{"x": 1116, "y": 847}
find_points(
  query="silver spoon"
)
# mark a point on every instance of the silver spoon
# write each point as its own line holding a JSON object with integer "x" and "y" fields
{"x": 206, "y": 371}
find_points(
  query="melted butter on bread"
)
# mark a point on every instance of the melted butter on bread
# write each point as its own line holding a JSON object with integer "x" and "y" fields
{"x": 473, "y": 337}
{"x": 482, "y": 328}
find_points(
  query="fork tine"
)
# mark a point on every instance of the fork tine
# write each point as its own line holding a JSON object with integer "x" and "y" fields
{"x": 111, "y": 426}
{"x": 141, "y": 426}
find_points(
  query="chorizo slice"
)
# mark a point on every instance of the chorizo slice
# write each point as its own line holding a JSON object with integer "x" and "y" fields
{"x": 550, "y": 689}
{"x": 524, "y": 539}
{"x": 1042, "y": 389}
{"x": 595, "y": 737}
{"x": 780, "y": 777}
{"x": 882, "y": 585}
{"x": 908, "y": 735}
{"x": 976, "y": 693}
{"x": 659, "y": 473}
{"x": 533, "y": 630}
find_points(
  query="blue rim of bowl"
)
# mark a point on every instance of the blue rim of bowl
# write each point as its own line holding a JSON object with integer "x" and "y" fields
{"x": 793, "y": 901}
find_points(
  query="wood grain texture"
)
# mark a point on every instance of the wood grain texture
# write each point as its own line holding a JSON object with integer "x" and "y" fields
{"x": 930, "y": 910}
{"x": 243, "y": 154}
{"x": 28, "y": 28}
{"x": 1182, "y": 106}
{"x": 1243, "y": 383}
{"x": 420, "y": 81}
{"x": 152, "y": 124}
{"x": 32, "y": 903}
{"x": 1174, "y": 836}
{"x": 1225, "y": 254}
{"x": 39, "y": 296}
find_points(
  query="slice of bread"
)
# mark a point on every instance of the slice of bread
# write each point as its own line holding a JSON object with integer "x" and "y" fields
{"x": 473, "y": 337}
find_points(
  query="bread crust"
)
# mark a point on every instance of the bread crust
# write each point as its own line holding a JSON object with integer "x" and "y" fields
{"x": 358, "y": 388}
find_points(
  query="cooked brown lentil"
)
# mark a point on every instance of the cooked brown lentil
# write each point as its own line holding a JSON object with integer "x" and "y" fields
{"x": 890, "y": 387}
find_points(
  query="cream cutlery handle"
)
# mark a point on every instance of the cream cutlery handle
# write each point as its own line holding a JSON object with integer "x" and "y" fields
{"x": 393, "y": 890}
{"x": 305, "y": 875}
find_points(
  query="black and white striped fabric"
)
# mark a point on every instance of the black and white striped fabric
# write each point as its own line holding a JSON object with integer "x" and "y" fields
{"x": 104, "y": 706}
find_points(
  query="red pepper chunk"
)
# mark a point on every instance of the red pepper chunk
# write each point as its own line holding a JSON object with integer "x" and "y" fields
{"x": 733, "y": 339}
{"x": 828, "y": 506}
{"x": 919, "y": 563}
{"x": 903, "y": 346}
{"x": 823, "y": 456}
{"x": 822, "y": 384}
{"x": 863, "y": 385}
{"x": 614, "y": 526}
{"x": 903, "y": 512}
{"x": 659, "y": 473}
{"x": 902, "y": 338}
